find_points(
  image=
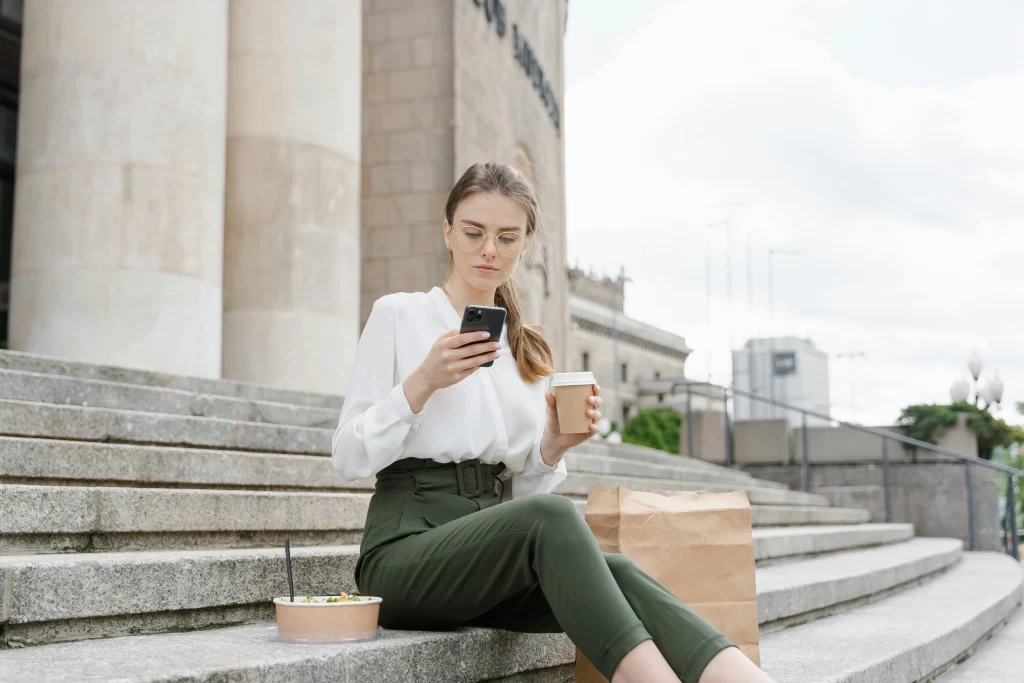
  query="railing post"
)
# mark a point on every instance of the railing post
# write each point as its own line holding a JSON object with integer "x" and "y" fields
{"x": 728, "y": 433}
{"x": 970, "y": 505}
{"x": 1011, "y": 517}
{"x": 886, "y": 481}
{"x": 805, "y": 466}
{"x": 689, "y": 424}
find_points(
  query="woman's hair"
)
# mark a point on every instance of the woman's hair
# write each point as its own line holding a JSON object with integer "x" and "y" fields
{"x": 529, "y": 348}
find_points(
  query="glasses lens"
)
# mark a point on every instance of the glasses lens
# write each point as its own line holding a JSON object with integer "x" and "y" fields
{"x": 508, "y": 244}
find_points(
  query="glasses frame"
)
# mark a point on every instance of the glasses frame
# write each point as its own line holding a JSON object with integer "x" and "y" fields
{"x": 489, "y": 236}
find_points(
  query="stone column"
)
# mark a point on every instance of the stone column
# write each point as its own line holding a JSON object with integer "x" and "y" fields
{"x": 118, "y": 237}
{"x": 291, "y": 261}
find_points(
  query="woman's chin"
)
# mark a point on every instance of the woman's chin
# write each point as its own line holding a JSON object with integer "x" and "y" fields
{"x": 482, "y": 279}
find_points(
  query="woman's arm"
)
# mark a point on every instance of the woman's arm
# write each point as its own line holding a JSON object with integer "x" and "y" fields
{"x": 376, "y": 420}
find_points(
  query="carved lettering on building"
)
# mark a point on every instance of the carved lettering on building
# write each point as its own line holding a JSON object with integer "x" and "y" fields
{"x": 494, "y": 10}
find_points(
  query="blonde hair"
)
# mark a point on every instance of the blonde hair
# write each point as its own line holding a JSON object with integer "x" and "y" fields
{"x": 529, "y": 348}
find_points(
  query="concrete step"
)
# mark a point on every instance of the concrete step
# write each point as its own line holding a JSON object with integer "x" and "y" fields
{"x": 247, "y": 653}
{"x": 581, "y": 483}
{"x": 112, "y": 594}
{"x": 909, "y": 636}
{"x": 582, "y": 459}
{"x": 55, "y": 389}
{"x": 777, "y": 543}
{"x": 20, "y": 418}
{"x": 49, "y": 461}
{"x": 997, "y": 659}
{"x": 13, "y": 360}
{"x": 80, "y": 518}
{"x": 802, "y": 590}
{"x": 871, "y": 498}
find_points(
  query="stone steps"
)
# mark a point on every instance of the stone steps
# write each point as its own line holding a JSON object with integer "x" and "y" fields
{"x": 39, "y": 388}
{"x": 48, "y": 421}
{"x": 39, "y": 461}
{"x": 997, "y": 659}
{"x": 583, "y": 460}
{"x": 86, "y": 424}
{"x": 902, "y": 637}
{"x": 25, "y": 362}
{"x": 83, "y": 518}
{"x": 113, "y": 594}
{"x": 909, "y": 636}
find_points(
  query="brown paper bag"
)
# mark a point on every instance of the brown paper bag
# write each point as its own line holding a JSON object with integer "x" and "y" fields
{"x": 699, "y": 545}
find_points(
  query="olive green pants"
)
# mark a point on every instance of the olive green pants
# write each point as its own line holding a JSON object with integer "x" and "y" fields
{"x": 442, "y": 553}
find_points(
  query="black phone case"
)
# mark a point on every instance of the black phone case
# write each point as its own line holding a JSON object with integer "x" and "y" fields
{"x": 484, "y": 318}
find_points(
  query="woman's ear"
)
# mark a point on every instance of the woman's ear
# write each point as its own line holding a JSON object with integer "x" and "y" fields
{"x": 447, "y": 235}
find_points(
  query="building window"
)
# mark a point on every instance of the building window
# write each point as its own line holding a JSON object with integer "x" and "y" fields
{"x": 586, "y": 362}
{"x": 625, "y": 373}
{"x": 626, "y": 410}
{"x": 657, "y": 375}
{"x": 661, "y": 398}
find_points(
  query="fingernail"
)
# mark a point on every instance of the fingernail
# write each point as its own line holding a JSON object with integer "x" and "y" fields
{"x": 485, "y": 335}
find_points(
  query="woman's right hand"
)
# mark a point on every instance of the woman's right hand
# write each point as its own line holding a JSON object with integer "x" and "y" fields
{"x": 451, "y": 359}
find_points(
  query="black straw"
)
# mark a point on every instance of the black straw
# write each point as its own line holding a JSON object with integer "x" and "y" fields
{"x": 288, "y": 562}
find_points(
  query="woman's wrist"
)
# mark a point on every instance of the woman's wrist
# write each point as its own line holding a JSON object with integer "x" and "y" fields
{"x": 550, "y": 453}
{"x": 417, "y": 390}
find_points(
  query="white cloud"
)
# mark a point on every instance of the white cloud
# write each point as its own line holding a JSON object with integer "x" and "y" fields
{"x": 906, "y": 200}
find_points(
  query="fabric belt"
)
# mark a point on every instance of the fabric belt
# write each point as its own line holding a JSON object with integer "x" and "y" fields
{"x": 469, "y": 479}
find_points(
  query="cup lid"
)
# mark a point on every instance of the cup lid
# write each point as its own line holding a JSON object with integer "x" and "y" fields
{"x": 569, "y": 379}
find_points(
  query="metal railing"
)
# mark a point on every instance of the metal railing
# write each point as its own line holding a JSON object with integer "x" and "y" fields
{"x": 1011, "y": 535}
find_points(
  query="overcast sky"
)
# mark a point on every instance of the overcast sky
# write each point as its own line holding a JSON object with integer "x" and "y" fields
{"x": 882, "y": 139}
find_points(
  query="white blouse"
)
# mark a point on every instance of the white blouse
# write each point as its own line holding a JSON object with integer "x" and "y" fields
{"x": 492, "y": 414}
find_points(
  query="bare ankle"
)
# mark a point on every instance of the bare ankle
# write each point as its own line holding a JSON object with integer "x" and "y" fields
{"x": 644, "y": 664}
{"x": 732, "y": 666}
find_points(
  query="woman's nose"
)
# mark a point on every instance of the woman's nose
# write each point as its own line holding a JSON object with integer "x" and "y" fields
{"x": 490, "y": 246}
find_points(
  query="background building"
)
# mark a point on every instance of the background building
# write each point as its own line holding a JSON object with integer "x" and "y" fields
{"x": 223, "y": 188}
{"x": 623, "y": 353}
{"x": 787, "y": 369}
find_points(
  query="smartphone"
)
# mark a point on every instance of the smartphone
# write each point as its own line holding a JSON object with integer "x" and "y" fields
{"x": 484, "y": 319}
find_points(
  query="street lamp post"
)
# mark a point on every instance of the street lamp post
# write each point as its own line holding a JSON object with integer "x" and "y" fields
{"x": 991, "y": 393}
{"x": 772, "y": 253}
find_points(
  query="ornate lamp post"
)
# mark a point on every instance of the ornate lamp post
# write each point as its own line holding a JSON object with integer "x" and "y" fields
{"x": 991, "y": 393}
{"x": 960, "y": 391}
{"x": 975, "y": 365}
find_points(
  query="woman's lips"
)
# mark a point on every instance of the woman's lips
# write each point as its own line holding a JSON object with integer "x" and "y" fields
{"x": 486, "y": 269}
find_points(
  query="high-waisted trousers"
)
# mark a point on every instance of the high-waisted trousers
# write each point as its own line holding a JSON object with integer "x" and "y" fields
{"x": 443, "y": 551}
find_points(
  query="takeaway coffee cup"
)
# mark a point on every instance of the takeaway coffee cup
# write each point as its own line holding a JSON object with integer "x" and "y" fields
{"x": 572, "y": 391}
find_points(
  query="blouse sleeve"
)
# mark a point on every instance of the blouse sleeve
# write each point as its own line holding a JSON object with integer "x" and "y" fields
{"x": 376, "y": 420}
{"x": 538, "y": 477}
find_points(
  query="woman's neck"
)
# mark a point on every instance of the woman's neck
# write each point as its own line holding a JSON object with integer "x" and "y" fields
{"x": 462, "y": 295}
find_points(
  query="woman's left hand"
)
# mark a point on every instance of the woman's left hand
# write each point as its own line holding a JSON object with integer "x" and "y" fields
{"x": 554, "y": 443}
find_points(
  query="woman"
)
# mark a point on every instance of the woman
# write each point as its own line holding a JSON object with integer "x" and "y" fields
{"x": 449, "y": 440}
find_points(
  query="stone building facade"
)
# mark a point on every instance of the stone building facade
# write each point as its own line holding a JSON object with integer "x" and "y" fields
{"x": 625, "y": 355}
{"x": 222, "y": 188}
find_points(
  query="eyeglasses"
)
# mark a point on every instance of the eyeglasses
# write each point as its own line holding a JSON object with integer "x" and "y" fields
{"x": 509, "y": 243}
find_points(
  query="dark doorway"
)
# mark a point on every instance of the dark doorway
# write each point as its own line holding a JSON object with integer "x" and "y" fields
{"x": 10, "y": 69}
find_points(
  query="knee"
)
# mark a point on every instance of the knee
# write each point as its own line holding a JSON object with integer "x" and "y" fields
{"x": 555, "y": 514}
{"x": 619, "y": 565}
{"x": 551, "y": 507}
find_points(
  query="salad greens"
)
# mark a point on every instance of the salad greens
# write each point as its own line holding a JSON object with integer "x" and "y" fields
{"x": 342, "y": 597}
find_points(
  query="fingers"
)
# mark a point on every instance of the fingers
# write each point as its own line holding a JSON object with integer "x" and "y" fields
{"x": 597, "y": 390}
{"x": 595, "y": 415}
{"x": 595, "y": 401}
{"x": 454, "y": 341}
{"x": 470, "y": 350}
{"x": 473, "y": 363}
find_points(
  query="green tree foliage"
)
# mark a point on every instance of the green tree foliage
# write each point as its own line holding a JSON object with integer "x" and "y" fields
{"x": 656, "y": 428}
{"x": 928, "y": 422}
